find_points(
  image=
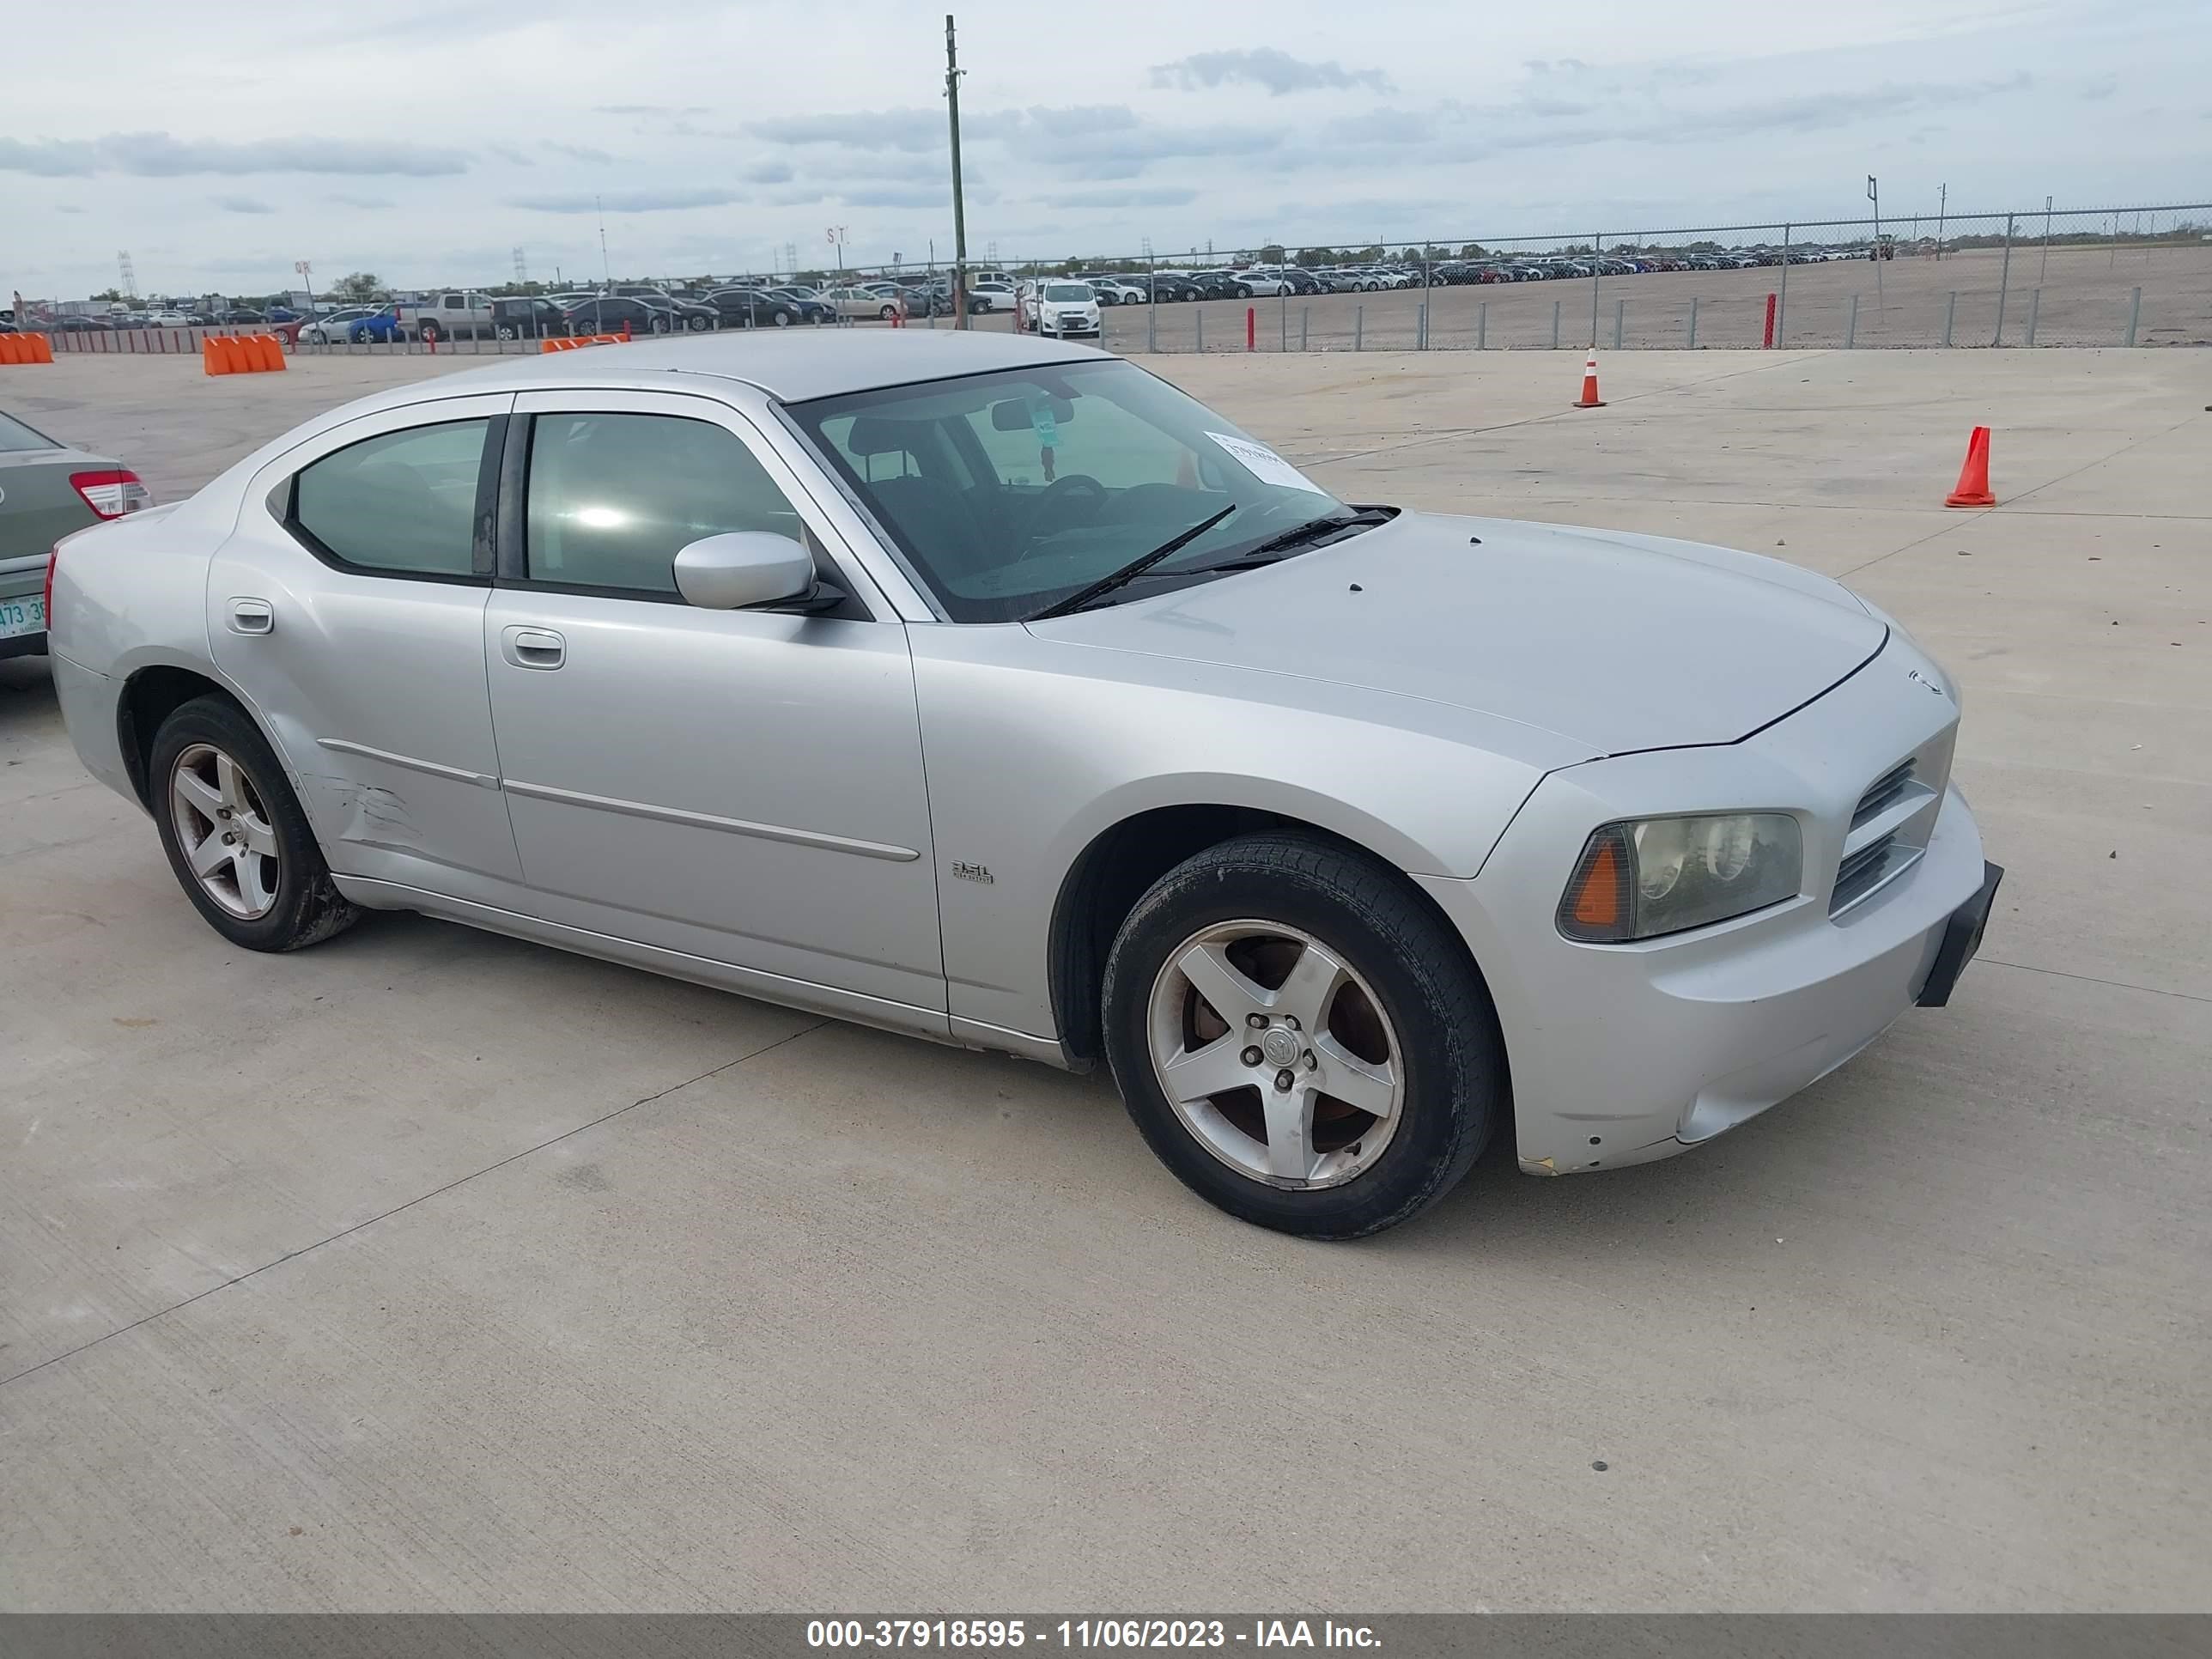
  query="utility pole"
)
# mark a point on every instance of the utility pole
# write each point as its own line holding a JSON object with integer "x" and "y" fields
{"x": 959, "y": 204}
{"x": 1873, "y": 195}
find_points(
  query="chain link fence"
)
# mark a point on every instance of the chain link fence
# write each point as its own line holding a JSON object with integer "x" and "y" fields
{"x": 2104, "y": 276}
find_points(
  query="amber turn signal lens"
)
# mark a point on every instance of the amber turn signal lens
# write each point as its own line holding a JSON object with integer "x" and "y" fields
{"x": 1596, "y": 905}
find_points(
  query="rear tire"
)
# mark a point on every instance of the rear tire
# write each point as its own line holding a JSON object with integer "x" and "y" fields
{"x": 1402, "y": 1021}
{"x": 212, "y": 767}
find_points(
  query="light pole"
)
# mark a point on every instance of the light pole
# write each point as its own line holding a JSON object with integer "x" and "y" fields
{"x": 1873, "y": 195}
{"x": 959, "y": 204}
{"x": 1942, "y": 201}
{"x": 2044, "y": 270}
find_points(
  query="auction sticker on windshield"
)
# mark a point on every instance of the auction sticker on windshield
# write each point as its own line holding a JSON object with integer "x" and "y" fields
{"x": 1263, "y": 464}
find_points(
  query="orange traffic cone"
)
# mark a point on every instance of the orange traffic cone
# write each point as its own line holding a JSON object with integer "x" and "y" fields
{"x": 1973, "y": 489}
{"x": 1589, "y": 398}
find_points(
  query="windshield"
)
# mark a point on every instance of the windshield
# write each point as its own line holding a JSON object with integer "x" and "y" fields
{"x": 1008, "y": 492}
{"x": 1067, "y": 293}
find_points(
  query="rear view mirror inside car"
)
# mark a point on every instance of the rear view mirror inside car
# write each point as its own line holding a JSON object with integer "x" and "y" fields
{"x": 1012, "y": 415}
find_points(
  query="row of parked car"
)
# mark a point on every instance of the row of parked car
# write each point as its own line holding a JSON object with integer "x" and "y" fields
{"x": 756, "y": 302}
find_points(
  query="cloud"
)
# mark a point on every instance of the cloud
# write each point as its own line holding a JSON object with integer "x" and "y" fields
{"x": 920, "y": 131}
{"x": 577, "y": 152}
{"x": 347, "y": 199}
{"x": 1264, "y": 66}
{"x": 629, "y": 201}
{"x": 1554, "y": 65}
{"x": 509, "y": 153}
{"x": 1126, "y": 155}
{"x": 1125, "y": 198}
{"x": 158, "y": 156}
{"x": 240, "y": 204}
{"x": 896, "y": 196}
{"x": 673, "y": 111}
{"x": 898, "y": 129}
{"x": 2102, "y": 88}
{"x": 1386, "y": 126}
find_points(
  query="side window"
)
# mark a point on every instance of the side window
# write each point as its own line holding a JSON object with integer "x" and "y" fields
{"x": 404, "y": 502}
{"x": 450, "y": 302}
{"x": 613, "y": 498}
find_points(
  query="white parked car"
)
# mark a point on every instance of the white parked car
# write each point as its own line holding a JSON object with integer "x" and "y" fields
{"x": 1261, "y": 284}
{"x": 993, "y": 296}
{"x": 1070, "y": 721}
{"x": 1062, "y": 308}
{"x": 336, "y": 327}
{"x": 1117, "y": 291}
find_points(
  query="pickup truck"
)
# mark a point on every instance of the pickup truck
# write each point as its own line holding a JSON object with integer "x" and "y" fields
{"x": 449, "y": 315}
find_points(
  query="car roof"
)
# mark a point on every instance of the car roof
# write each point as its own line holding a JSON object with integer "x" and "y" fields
{"x": 791, "y": 367}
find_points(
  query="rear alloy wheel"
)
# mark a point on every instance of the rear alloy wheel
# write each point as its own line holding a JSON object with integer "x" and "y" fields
{"x": 700, "y": 324}
{"x": 430, "y": 333}
{"x": 1300, "y": 1038}
{"x": 235, "y": 835}
{"x": 780, "y": 318}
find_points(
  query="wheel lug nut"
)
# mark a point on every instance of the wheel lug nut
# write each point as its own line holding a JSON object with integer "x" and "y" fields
{"x": 1283, "y": 1080}
{"x": 1251, "y": 1056}
{"x": 1256, "y": 1021}
{"x": 1307, "y": 1060}
{"x": 1291, "y": 1020}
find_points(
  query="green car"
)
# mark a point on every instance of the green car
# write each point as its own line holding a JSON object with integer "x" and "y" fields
{"x": 47, "y": 491}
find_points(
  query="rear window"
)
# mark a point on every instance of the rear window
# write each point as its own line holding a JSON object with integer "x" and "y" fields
{"x": 15, "y": 435}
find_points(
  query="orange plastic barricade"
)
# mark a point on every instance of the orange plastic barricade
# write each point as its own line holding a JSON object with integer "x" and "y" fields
{"x": 213, "y": 359}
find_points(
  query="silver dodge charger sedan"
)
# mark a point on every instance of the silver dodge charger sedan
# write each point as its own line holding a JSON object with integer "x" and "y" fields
{"x": 995, "y": 691}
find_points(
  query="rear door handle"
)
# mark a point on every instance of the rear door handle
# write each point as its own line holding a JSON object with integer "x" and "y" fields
{"x": 532, "y": 647}
{"x": 253, "y": 617}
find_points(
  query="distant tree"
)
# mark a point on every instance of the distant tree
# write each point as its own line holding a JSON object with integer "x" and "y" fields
{"x": 1311, "y": 256}
{"x": 1272, "y": 254}
{"x": 360, "y": 285}
{"x": 110, "y": 293}
{"x": 1474, "y": 251}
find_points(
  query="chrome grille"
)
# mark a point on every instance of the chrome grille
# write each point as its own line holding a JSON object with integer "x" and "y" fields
{"x": 1882, "y": 793}
{"x": 1862, "y": 870}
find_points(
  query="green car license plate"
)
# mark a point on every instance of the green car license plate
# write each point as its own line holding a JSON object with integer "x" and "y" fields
{"x": 24, "y": 615}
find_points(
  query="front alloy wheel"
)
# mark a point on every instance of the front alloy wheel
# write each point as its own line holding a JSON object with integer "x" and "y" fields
{"x": 1275, "y": 1054}
{"x": 1301, "y": 1037}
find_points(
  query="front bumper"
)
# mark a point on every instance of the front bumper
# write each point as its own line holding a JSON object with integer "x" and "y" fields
{"x": 1624, "y": 1053}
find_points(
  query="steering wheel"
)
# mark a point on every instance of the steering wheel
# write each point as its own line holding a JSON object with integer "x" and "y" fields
{"x": 1056, "y": 508}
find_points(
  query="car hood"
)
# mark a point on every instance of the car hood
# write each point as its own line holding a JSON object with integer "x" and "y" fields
{"x": 1616, "y": 642}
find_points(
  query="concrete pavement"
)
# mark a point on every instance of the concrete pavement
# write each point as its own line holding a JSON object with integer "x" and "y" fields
{"x": 430, "y": 1270}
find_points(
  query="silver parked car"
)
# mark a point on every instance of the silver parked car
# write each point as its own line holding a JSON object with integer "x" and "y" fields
{"x": 995, "y": 691}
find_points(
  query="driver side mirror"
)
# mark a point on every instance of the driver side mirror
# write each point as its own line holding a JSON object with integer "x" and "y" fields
{"x": 742, "y": 567}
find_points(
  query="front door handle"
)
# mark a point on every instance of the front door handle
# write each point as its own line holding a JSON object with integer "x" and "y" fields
{"x": 532, "y": 647}
{"x": 253, "y": 617}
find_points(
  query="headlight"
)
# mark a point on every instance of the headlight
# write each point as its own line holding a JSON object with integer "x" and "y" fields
{"x": 1643, "y": 876}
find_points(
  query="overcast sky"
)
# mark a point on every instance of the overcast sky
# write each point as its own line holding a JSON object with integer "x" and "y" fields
{"x": 402, "y": 140}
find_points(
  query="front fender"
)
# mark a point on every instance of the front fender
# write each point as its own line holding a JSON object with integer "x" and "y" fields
{"x": 1034, "y": 749}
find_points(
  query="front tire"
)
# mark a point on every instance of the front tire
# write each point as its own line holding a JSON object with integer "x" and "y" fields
{"x": 235, "y": 835}
{"x": 1380, "y": 1070}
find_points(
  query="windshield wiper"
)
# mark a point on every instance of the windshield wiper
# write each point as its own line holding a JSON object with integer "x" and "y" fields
{"x": 1129, "y": 572}
{"x": 1312, "y": 530}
